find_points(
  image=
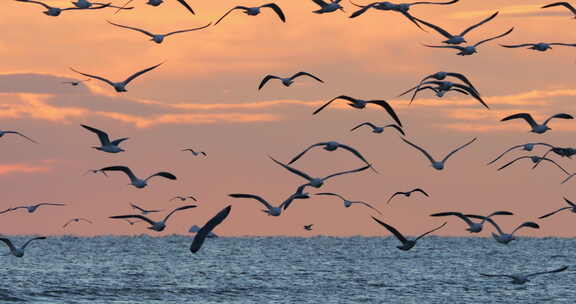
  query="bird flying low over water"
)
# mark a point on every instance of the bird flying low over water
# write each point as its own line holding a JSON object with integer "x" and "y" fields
{"x": 159, "y": 38}
{"x": 455, "y": 39}
{"x": 564, "y": 4}
{"x": 105, "y": 144}
{"x": 407, "y": 194}
{"x": 525, "y": 147}
{"x": 469, "y": 49}
{"x": 32, "y": 208}
{"x": 253, "y": 11}
{"x": 2, "y": 133}
{"x": 76, "y": 220}
{"x": 407, "y": 244}
{"x": 540, "y": 46}
{"x": 523, "y": 278}
{"x": 287, "y": 81}
{"x": 156, "y": 226}
{"x": 438, "y": 165}
{"x": 205, "y": 231}
{"x": 135, "y": 181}
{"x": 377, "y": 129}
{"x": 55, "y": 11}
{"x": 328, "y": 7}
{"x": 571, "y": 206}
{"x": 473, "y": 227}
{"x": 361, "y": 104}
{"x": 119, "y": 86}
{"x": 330, "y": 146}
{"x": 19, "y": 252}
{"x": 505, "y": 238}
{"x": 537, "y": 128}
{"x": 195, "y": 229}
{"x": 308, "y": 227}
{"x": 348, "y": 203}
{"x": 316, "y": 182}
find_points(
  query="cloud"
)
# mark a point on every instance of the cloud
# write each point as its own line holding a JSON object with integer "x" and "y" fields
{"x": 21, "y": 168}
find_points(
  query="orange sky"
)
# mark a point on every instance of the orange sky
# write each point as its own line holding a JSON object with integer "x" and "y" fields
{"x": 205, "y": 96}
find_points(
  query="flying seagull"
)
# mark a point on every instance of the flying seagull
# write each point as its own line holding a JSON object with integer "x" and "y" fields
{"x": 287, "y": 81}
{"x": 85, "y": 4}
{"x": 316, "y": 182}
{"x": 194, "y": 152}
{"x": 253, "y": 11}
{"x": 407, "y": 194}
{"x": 271, "y": 210}
{"x": 523, "y": 278}
{"x": 207, "y": 229}
{"x": 441, "y": 76}
{"x": 158, "y": 2}
{"x": 406, "y": 243}
{"x": 348, "y": 203}
{"x": 470, "y": 49}
{"x": 361, "y": 104}
{"x": 438, "y": 165}
{"x": 540, "y": 46}
{"x": 76, "y": 82}
{"x": 135, "y": 181}
{"x": 2, "y": 133}
{"x": 105, "y": 144}
{"x": 76, "y": 220}
{"x": 505, "y": 238}
{"x": 156, "y": 226}
{"x": 328, "y": 7}
{"x": 525, "y": 147}
{"x": 455, "y": 39}
{"x": 183, "y": 198}
{"x": 119, "y": 86}
{"x": 377, "y": 129}
{"x": 308, "y": 227}
{"x": 473, "y": 227}
{"x": 32, "y": 208}
{"x": 535, "y": 159}
{"x": 55, "y": 11}
{"x": 445, "y": 86}
{"x": 564, "y": 4}
{"x": 19, "y": 252}
{"x": 537, "y": 128}
{"x": 570, "y": 206}
{"x": 158, "y": 38}
{"x": 142, "y": 210}
{"x": 331, "y": 146}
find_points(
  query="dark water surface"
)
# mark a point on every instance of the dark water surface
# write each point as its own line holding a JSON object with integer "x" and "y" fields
{"x": 145, "y": 269}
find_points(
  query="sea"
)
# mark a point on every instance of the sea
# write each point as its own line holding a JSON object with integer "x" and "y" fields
{"x": 145, "y": 269}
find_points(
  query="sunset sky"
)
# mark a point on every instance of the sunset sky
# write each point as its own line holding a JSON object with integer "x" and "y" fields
{"x": 205, "y": 97}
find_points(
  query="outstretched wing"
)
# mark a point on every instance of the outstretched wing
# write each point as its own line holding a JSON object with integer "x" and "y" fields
{"x": 129, "y": 79}
{"x": 472, "y": 92}
{"x": 427, "y": 233}
{"x": 266, "y": 79}
{"x": 329, "y": 102}
{"x": 124, "y": 169}
{"x": 167, "y": 175}
{"x": 478, "y": 24}
{"x": 421, "y": 191}
{"x": 392, "y": 230}
{"x": 388, "y": 109}
{"x": 8, "y": 243}
{"x": 252, "y": 196}
{"x": 495, "y": 37}
{"x": 132, "y": 28}
{"x": 138, "y": 216}
{"x": 305, "y": 74}
{"x": 526, "y": 224}
{"x": 178, "y": 209}
{"x": 561, "y": 115}
{"x": 277, "y": 10}
{"x": 369, "y": 206}
{"x": 419, "y": 149}
{"x": 355, "y": 152}
{"x": 33, "y": 239}
{"x": 293, "y": 170}
{"x": 438, "y": 29}
{"x": 513, "y": 46}
{"x": 207, "y": 228}
{"x": 500, "y": 156}
{"x": 458, "y": 214}
{"x": 513, "y": 161}
{"x": 188, "y": 30}
{"x": 552, "y": 213}
{"x": 94, "y": 76}
{"x": 228, "y": 12}
{"x": 103, "y": 136}
{"x": 549, "y": 271}
{"x": 346, "y": 172}
{"x": 527, "y": 117}
{"x": 565, "y": 4}
{"x": 183, "y": 2}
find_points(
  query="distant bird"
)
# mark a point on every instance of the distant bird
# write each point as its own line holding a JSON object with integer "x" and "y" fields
{"x": 158, "y": 2}
{"x": 473, "y": 227}
{"x": 85, "y": 4}
{"x": 132, "y": 222}
{"x": 348, "y": 203}
{"x": 105, "y": 144}
{"x": 195, "y": 153}
{"x": 270, "y": 210}
{"x": 183, "y": 198}
{"x": 505, "y": 238}
{"x": 437, "y": 90}
{"x": 331, "y": 146}
{"x": 142, "y": 210}
{"x": 438, "y": 165}
{"x": 76, "y": 82}
{"x": 470, "y": 49}
{"x": 308, "y": 227}
{"x": 455, "y": 39}
{"x": 203, "y": 233}
{"x": 571, "y": 206}
{"x": 156, "y": 226}
{"x": 19, "y": 252}
{"x": 564, "y": 4}
{"x": 195, "y": 229}
{"x": 445, "y": 86}
{"x": 316, "y": 182}
{"x": 407, "y": 194}
{"x": 523, "y": 278}
{"x": 55, "y": 11}
{"x": 2, "y": 133}
{"x": 287, "y": 81}
{"x": 406, "y": 243}
{"x": 377, "y": 129}
{"x": 253, "y": 11}
{"x": 328, "y": 7}
{"x": 32, "y": 208}
{"x": 541, "y": 46}
{"x": 361, "y": 104}
{"x": 535, "y": 159}
{"x": 441, "y": 76}
{"x": 135, "y": 181}
{"x": 76, "y": 220}
{"x": 525, "y": 147}
{"x": 159, "y": 38}
{"x": 119, "y": 86}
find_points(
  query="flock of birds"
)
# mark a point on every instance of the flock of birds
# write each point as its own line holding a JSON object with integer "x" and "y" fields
{"x": 436, "y": 82}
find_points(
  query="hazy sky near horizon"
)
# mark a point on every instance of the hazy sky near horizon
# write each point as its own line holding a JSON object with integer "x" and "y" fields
{"x": 205, "y": 97}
